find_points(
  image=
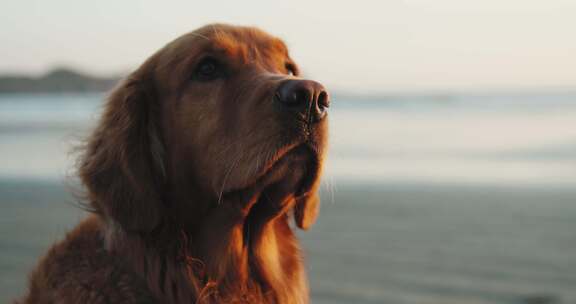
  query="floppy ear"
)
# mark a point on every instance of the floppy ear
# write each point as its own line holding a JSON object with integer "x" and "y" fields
{"x": 122, "y": 166}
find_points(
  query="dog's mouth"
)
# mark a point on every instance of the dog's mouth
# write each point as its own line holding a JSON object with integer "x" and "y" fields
{"x": 295, "y": 165}
{"x": 299, "y": 163}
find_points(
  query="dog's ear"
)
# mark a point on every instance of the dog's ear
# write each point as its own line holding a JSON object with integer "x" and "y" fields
{"x": 123, "y": 166}
{"x": 307, "y": 207}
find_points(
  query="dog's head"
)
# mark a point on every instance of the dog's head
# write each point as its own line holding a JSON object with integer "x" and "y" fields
{"x": 222, "y": 107}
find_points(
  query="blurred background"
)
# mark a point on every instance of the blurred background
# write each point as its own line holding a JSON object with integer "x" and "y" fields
{"x": 451, "y": 176}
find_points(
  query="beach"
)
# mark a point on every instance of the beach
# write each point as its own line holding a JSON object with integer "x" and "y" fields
{"x": 425, "y": 200}
{"x": 387, "y": 243}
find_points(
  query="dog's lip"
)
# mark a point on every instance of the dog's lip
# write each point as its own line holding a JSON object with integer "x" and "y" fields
{"x": 305, "y": 154}
{"x": 294, "y": 152}
{"x": 299, "y": 152}
{"x": 311, "y": 171}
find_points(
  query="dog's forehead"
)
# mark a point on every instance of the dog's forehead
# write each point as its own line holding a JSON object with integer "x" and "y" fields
{"x": 239, "y": 42}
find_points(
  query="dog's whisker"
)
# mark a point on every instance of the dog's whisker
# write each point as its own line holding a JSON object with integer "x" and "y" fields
{"x": 226, "y": 178}
{"x": 332, "y": 189}
{"x": 199, "y": 35}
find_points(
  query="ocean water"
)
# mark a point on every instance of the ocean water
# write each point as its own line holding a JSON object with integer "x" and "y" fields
{"x": 476, "y": 139}
{"x": 520, "y": 140}
{"x": 461, "y": 199}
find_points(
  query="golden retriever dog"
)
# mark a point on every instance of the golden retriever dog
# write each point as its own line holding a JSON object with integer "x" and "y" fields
{"x": 202, "y": 159}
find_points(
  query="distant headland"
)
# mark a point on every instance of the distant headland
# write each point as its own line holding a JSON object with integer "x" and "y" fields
{"x": 58, "y": 80}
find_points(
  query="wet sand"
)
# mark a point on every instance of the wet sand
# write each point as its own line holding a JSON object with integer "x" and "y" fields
{"x": 376, "y": 243}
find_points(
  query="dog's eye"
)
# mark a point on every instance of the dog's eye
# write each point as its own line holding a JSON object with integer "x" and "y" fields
{"x": 291, "y": 69}
{"x": 208, "y": 69}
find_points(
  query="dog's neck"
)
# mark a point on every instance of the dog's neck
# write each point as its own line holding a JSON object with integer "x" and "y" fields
{"x": 230, "y": 255}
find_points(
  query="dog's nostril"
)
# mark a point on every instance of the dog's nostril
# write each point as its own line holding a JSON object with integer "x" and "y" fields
{"x": 298, "y": 97}
{"x": 295, "y": 94}
{"x": 293, "y": 98}
{"x": 323, "y": 101}
{"x": 302, "y": 96}
{"x": 305, "y": 97}
{"x": 278, "y": 97}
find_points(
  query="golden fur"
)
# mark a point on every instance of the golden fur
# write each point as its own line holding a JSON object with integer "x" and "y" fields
{"x": 193, "y": 182}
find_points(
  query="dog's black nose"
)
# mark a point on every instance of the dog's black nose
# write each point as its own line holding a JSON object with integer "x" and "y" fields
{"x": 306, "y": 97}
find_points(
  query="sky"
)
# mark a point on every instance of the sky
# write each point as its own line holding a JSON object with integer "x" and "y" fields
{"x": 356, "y": 46}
